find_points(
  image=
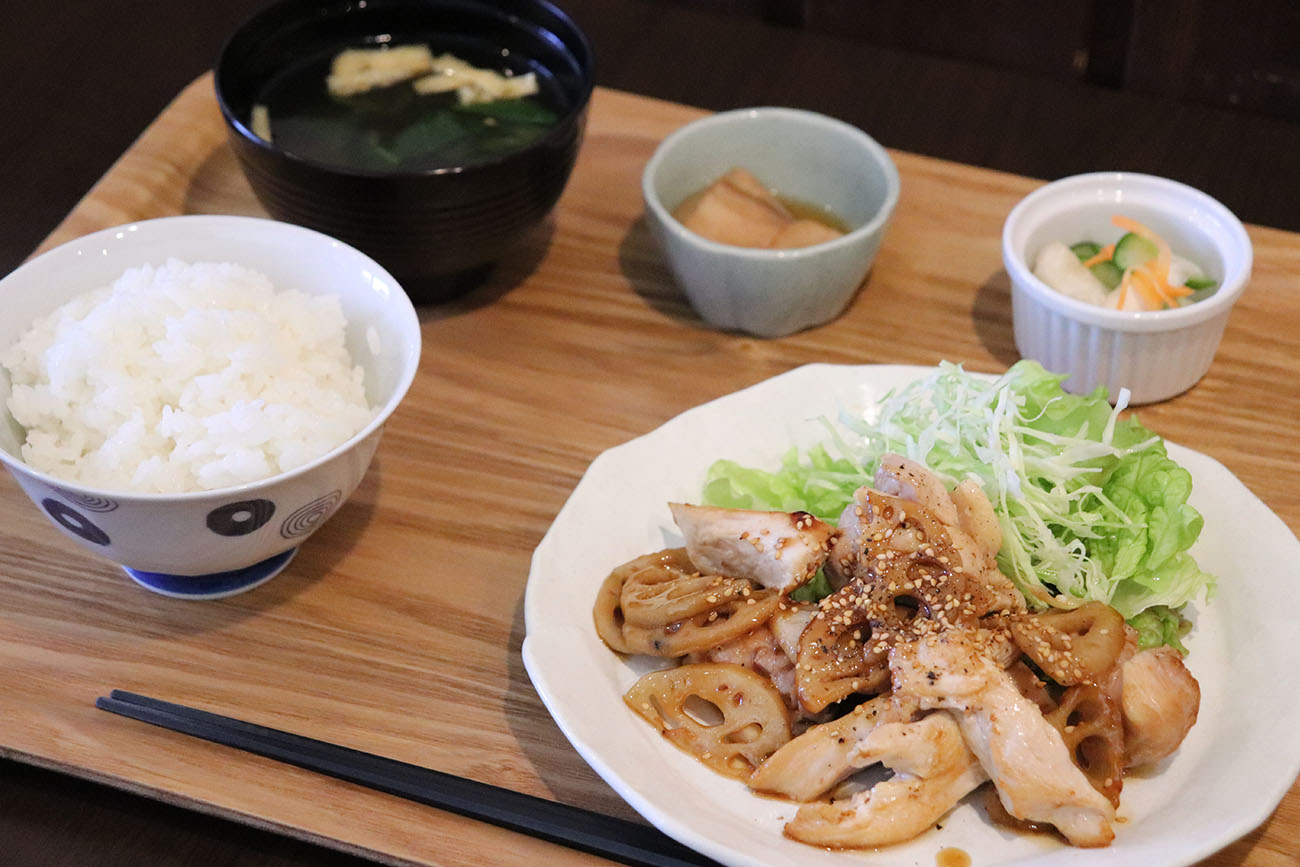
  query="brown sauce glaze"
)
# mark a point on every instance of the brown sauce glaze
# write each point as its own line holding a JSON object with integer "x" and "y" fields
{"x": 952, "y": 857}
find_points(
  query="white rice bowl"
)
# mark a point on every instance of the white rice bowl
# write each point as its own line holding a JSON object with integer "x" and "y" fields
{"x": 183, "y": 377}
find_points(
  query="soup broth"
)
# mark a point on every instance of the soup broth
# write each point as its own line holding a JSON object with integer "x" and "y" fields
{"x": 394, "y": 128}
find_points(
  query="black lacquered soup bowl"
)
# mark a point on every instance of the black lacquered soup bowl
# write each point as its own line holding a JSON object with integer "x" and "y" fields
{"x": 440, "y": 230}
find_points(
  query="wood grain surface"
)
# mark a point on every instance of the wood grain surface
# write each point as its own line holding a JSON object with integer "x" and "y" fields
{"x": 398, "y": 627}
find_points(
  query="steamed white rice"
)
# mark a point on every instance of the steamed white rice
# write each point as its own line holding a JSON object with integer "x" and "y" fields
{"x": 184, "y": 378}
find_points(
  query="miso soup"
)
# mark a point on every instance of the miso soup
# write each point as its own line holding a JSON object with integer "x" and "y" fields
{"x": 394, "y": 128}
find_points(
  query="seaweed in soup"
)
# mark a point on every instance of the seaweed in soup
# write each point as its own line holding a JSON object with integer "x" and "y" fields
{"x": 396, "y": 128}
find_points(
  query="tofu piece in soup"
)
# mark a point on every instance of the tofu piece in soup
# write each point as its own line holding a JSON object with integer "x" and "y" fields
{"x": 736, "y": 209}
{"x": 804, "y": 233}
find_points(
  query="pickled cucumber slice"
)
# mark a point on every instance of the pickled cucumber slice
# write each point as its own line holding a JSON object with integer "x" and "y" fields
{"x": 1108, "y": 273}
{"x": 1085, "y": 250}
{"x": 1133, "y": 250}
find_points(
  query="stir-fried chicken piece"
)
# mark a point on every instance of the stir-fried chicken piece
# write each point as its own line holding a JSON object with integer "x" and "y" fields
{"x": 965, "y": 514}
{"x": 1160, "y": 703}
{"x": 966, "y": 511}
{"x": 789, "y": 622}
{"x": 860, "y": 525}
{"x": 933, "y": 770}
{"x": 882, "y": 534}
{"x": 906, "y": 479}
{"x": 825, "y": 754}
{"x": 905, "y": 580}
{"x": 1023, "y": 754}
{"x": 779, "y": 550}
{"x": 846, "y": 547}
{"x": 975, "y": 516}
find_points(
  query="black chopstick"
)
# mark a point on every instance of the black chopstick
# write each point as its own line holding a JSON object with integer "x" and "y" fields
{"x": 610, "y": 837}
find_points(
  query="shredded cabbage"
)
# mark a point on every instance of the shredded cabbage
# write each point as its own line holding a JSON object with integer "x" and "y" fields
{"x": 1091, "y": 506}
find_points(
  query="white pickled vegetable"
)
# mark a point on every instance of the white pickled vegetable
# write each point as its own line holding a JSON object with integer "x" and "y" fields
{"x": 1181, "y": 270}
{"x": 1058, "y": 267}
{"x": 1132, "y": 301}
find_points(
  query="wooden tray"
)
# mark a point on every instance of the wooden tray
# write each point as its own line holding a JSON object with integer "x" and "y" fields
{"x": 397, "y": 629}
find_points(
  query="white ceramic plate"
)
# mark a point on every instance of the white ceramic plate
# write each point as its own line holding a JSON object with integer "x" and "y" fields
{"x": 1233, "y": 769}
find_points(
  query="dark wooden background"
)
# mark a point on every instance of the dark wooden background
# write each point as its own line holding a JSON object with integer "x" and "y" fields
{"x": 1205, "y": 91}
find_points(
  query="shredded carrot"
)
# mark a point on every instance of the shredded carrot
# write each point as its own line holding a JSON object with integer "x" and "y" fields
{"x": 1144, "y": 275}
{"x": 1146, "y": 288}
{"x": 1104, "y": 255}
{"x": 1125, "y": 283}
{"x": 1132, "y": 226}
{"x": 1164, "y": 256}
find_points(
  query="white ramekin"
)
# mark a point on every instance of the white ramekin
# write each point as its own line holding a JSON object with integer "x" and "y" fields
{"x": 1156, "y": 354}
